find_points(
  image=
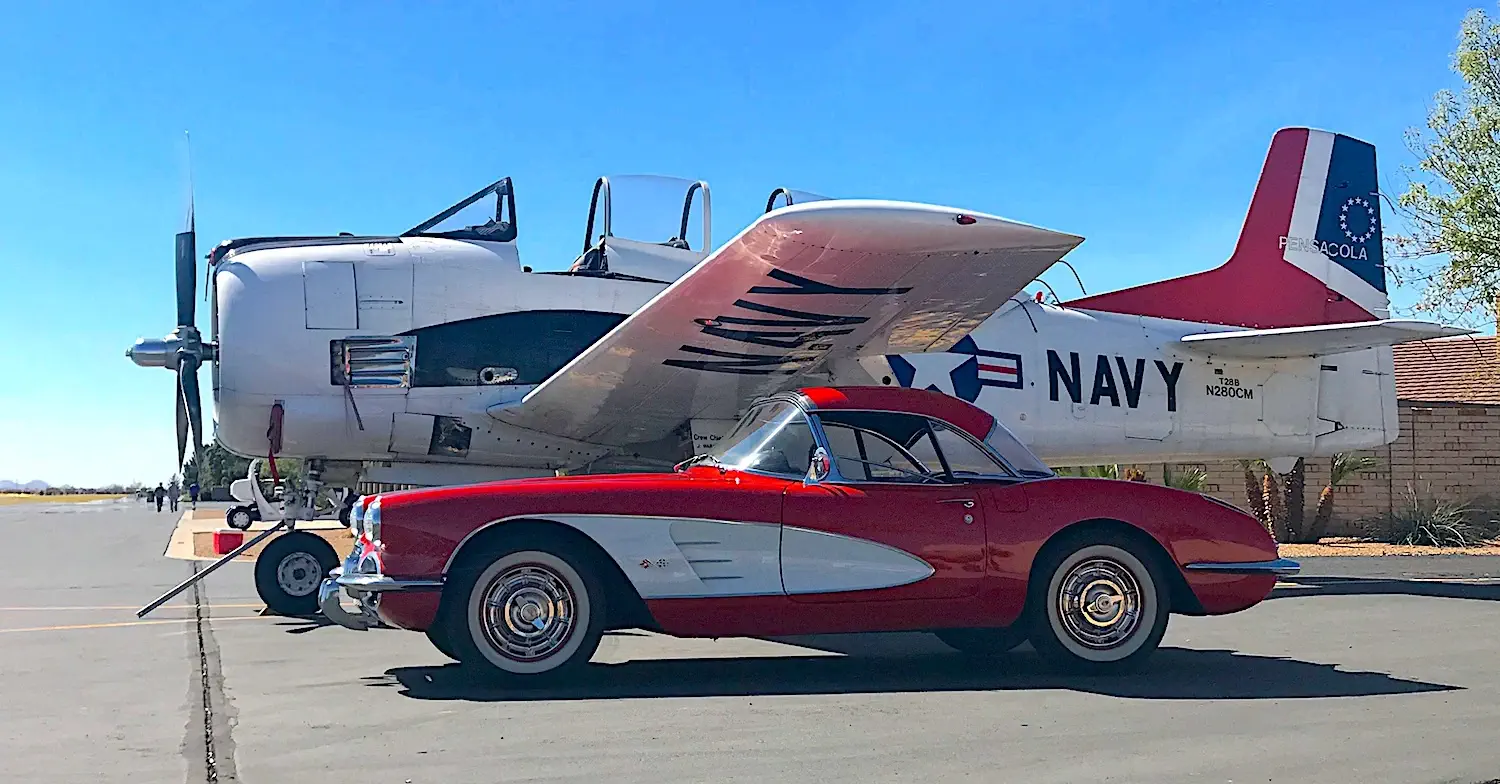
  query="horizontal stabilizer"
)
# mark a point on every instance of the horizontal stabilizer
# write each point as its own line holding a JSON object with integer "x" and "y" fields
{"x": 1316, "y": 340}
{"x": 800, "y": 287}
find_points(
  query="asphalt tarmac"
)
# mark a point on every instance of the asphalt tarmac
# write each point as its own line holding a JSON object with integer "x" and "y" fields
{"x": 1364, "y": 670}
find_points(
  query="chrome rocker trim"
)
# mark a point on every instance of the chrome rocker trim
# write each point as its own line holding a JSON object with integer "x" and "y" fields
{"x": 379, "y": 583}
{"x": 1281, "y": 567}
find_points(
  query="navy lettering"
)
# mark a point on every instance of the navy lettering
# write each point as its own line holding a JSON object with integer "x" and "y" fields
{"x": 1055, "y": 371}
{"x": 1131, "y": 383}
{"x": 1170, "y": 377}
{"x": 1104, "y": 383}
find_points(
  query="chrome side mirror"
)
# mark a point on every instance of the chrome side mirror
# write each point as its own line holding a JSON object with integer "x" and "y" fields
{"x": 818, "y": 467}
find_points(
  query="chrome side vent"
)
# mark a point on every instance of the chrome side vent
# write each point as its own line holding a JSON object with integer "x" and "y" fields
{"x": 373, "y": 361}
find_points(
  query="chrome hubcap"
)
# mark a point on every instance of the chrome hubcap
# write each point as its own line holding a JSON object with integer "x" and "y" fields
{"x": 299, "y": 574}
{"x": 1099, "y": 603}
{"x": 528, "y": 613}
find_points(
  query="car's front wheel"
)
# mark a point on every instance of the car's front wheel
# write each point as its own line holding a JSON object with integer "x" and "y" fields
{"x": 1099, "y": 604}
{"x": 531, "y": 615}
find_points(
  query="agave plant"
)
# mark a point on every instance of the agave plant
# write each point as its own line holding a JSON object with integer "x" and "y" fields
{"x": 1423, "y": 520}
{"x": 1192, "y": 479}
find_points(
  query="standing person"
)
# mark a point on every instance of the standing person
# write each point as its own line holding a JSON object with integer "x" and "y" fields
{"x": 193, "y": 495}
{"x": 174, "y": 494}
{"x": 160, "y": 494}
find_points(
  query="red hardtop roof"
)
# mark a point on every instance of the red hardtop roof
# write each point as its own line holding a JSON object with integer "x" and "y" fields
{"x": 965, "y": 416}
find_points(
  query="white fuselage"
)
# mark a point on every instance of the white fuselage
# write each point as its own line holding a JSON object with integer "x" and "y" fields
{"x": 281, "y": 313}
{"x": 1084, "y": 387}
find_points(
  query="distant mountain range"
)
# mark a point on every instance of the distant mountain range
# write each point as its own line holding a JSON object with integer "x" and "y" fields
{"x": 34, "y": 486}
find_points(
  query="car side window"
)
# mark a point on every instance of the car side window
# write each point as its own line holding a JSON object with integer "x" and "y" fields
{"x": 863, "y": 455}
{"x": 964, "y": 459}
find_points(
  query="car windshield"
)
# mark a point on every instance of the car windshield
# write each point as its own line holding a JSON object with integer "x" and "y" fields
{"x": 774, "y": 439}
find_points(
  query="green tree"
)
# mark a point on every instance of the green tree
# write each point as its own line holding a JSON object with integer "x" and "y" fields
{"x": 220, "y": 467}
{"x": 1452, "y": 203}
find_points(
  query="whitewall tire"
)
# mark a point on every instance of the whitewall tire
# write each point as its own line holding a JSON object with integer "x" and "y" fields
{"x": 532, "y": 615}
{"x": 1100, "y": 604}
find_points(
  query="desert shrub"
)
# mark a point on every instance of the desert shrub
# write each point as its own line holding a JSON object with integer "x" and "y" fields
{"x": 1192, "y": 479}
{"x": 1424, "y": 520}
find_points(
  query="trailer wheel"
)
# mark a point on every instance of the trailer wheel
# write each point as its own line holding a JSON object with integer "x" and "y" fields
{"x": 289, "y": 571}
{"x": 240, "y": 517}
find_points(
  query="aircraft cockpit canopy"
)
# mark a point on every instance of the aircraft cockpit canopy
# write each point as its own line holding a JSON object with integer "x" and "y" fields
{"x": 786, "y": 197}
{"x": 488, "y": 216}
{"x": 646, "y": 227}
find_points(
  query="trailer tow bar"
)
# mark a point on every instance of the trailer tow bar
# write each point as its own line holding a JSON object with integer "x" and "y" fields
{"x": 231, "y": 555}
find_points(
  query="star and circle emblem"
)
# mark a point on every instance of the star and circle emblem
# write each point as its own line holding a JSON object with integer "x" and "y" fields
{"x": 1372, "y": 223}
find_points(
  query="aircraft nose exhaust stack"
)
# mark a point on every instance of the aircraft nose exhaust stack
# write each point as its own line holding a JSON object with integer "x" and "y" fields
{"x": 183, "y": 350}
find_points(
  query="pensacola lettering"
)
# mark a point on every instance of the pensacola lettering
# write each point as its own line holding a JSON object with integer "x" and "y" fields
{"x": 1330, "y": 249}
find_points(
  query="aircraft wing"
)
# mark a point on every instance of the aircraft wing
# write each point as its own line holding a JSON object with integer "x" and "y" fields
{"x": 799, "y": 287}
{"x": 1287, "y": 342}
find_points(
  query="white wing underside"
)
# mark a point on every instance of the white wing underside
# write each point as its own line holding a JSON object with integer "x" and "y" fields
{"x": 1321, "y": 339}
{"x": 799, "y": 287}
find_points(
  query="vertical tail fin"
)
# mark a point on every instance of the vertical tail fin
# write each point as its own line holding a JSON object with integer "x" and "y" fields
{"x": 1310, "y": 251}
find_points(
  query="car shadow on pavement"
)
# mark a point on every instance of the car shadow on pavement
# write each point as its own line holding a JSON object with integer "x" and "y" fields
{"x": 1359, "y": 586}
{"x": 1173, "y": 674}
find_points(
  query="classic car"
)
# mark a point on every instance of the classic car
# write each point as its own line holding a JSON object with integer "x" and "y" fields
{"x": 825, "y": 510}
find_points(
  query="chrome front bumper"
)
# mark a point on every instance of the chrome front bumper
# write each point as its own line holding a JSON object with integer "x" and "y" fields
{"x": 360, "y": 579}
{"x": 1281, "y": 567}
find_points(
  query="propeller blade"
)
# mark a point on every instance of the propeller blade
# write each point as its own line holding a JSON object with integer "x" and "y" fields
{"x": 187, "y": 258}
{"x": 182, "y": 424}
{"x": 187, "y": 274}
{"x": 187, "y": 374}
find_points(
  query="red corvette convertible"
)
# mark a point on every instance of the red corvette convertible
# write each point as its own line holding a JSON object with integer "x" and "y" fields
{"x": 823, "y": 511}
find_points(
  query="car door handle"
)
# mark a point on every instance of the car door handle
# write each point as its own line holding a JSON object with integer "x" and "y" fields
{"x": 967, "y": 502}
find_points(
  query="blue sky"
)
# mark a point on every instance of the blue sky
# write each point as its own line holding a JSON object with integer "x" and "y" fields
{"x": 1140, "y": 128}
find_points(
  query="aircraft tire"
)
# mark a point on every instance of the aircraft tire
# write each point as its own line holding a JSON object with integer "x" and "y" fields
{"x": 289, "y": 571}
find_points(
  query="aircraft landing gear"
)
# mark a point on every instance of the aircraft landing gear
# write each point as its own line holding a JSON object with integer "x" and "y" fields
{"x": 292, "y": 566}
{"x": 289, "y": 571}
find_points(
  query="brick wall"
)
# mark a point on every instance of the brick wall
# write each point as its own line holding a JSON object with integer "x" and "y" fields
{"x": 1445, "y": 450}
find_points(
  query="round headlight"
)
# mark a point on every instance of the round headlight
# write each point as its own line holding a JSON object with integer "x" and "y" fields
{"x": 372, "y": 520}
{"x": 357, "y": 517}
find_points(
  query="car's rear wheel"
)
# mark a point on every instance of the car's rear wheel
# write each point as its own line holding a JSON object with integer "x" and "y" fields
{"x": 529, "y": 615}
{"x": 1099, "y": 604}
{"x": 984, "y": 642}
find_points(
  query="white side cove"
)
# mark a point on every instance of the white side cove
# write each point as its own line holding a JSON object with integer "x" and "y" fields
{"x": 681, "y": 558}
{"x": 820, "y": 562}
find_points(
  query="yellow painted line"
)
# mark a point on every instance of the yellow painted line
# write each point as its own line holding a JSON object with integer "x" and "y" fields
{"x": 133, "y": 607}
{"x": 125, "y": 623}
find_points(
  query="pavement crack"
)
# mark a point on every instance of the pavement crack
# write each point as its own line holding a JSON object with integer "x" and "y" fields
{"x": 209, "y": 745}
